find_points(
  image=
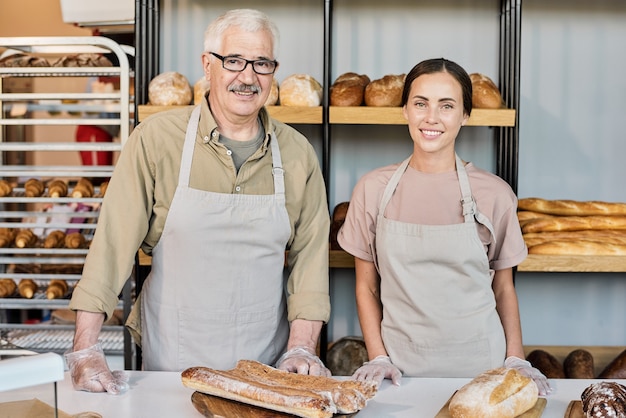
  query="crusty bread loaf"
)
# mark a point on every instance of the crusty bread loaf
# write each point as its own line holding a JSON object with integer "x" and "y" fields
{"x": 257, "y": 384}
{"x": 272, "y": 99}
{"x": 577, "y": 247}
{"x": 497, "y": 393}
{"x": 571, "y": 207}
{"x": 349, "y": 89}
{"x": 169, "y": 89}
{"x": 200, "y": 89}
{"x": 385, "y": 92}
{"x": 546, "y": 363}
{"x": 604, "y": 399}
{"x": 300, "y": 90}
{"x": 485, "y": 93}
{"x": 575, "y": 223}
{"x": 579, "y": 365}
{"x": 525, "y": 215}
{"x": 616, "y": 369}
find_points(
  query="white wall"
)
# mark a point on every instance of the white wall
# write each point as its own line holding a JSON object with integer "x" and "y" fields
{"x": 573, "y": 93}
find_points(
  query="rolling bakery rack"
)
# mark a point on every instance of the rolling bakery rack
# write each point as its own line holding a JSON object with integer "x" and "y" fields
{"x": 22, "y": 110}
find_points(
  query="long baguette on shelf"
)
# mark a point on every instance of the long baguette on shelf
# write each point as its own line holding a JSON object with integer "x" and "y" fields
{"x": 565, "y": 207}
{"x": 256, "y": 384}
{"x": 579, "y": 247}
{"x": 609, "y": 236}
{"x": 575, "y": 223}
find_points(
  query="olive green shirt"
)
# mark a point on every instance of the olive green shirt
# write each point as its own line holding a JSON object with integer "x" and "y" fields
{"x": 141, "y": 189}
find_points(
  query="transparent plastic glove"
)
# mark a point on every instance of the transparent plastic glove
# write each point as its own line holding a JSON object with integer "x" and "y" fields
{"x": 379, "y": 369}
{"x": 90, "y": 372}
{"x": 525, "y": 368}
{"x": 302, "y": 360}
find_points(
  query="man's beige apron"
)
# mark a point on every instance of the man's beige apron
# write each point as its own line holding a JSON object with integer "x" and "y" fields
{"x": 215, "y": 293}
{"x": 439, "y": 311}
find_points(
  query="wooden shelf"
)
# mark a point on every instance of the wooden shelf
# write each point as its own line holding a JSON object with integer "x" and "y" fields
{"x": 533, "y": 263}
{"x": 358, "y": 115}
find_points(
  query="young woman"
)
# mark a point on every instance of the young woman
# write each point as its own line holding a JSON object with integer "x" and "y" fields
{"x": 435, "y": 240}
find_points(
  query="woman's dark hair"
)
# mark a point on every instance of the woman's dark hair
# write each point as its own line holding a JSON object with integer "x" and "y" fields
{"x": 441, "y": 65}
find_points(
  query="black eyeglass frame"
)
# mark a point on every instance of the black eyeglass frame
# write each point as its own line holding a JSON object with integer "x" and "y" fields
{"x": 252, "y": 62}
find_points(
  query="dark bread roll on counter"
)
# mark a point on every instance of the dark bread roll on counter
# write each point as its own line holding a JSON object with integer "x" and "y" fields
{"x": 579, "y": 365}
{"x": 546, "y": 363}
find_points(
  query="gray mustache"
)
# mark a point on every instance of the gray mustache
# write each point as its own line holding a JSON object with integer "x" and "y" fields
{"x": 245, "y": 88}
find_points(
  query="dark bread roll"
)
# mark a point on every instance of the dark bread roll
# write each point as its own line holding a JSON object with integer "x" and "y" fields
{"x": 604, "y": 399}
{"x": 339, "y": 216}
{"x": 546, "y": 363}
{"x": 579, "y": 365}
{"x": 346, "y": 355}
{"x": 485, "y": 93}
{"x": 385, "y": 92}
{"x": 349, "y": 89}
{"x": 616, "y": 369}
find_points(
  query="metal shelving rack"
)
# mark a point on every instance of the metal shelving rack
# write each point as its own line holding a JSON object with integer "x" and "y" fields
{"x": 21, "y": 212}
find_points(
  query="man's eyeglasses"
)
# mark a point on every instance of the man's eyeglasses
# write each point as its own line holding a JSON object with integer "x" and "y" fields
{"x": 238, "y": 64}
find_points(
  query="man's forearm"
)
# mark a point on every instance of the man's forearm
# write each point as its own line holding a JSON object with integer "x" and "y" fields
{"x": 304, "y": 333}
{"x": 88, "y": 326}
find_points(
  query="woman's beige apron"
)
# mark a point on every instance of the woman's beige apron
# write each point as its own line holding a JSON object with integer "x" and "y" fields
{"x": 439, "y": 311}
{"x": 215, "y": 293}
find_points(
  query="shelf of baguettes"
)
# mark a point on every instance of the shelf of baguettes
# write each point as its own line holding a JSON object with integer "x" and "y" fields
{"x": 533, "y": 263}
{"x": 364, "y": 115}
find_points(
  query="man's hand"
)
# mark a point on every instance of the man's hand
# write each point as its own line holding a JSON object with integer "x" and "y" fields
{"x": 302, "y": 360}
{"x": 90, "y": 372}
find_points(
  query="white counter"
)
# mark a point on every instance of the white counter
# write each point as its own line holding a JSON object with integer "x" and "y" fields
{"x": 161, "y": 394}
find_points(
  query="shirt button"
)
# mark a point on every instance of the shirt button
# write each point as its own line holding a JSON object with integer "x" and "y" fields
{"x": 229, "y": 152}
{"x": 214, "y": 134}
{"x": 206, "y": 139}
{"x": 238, "y": 188}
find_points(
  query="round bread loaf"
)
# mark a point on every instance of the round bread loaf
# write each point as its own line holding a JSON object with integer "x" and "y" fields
{"x": 604, "y": 399}
{"x": 300, "y": 90}
{"x": 349, "y": 89}
{"x": 272, "y": 99}
{"x": 346, "y": 355}
{"x": 200, "y": 89}
{"x": 485, "y": 93}
{"x": 385, "y": 92}
{"x": 169, "y": 89}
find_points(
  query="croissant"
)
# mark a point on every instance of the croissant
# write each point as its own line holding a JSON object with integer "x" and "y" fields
{"x": 27, "y": 288}
{"x": 75, "y": 240}
{"x": 7, "y": 236}
{"x": 33, "y": 188}
{"x": 57, "y": 188}
{"x": 25, "y": 238}
{"x": 103, "y": 188}
{"x": 7, "y": 287}
{"x": 83, "y": 188}
{"x": 56, "y": 289}
{"x": 55, "y": 239}
{"x": 5, "y": 188}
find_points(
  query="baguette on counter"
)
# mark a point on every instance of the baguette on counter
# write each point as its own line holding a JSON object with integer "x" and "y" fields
{"x": 257, "y": 384}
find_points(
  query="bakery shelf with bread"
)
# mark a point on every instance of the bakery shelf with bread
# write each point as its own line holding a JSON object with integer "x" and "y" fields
{"x": 49, "y": 211}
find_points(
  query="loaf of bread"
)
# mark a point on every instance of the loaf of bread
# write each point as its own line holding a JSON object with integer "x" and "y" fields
{"x": 579, "y": 365}
{"x": 256, "y": 384}
{"x": 7, "y": 237}
{"x": 385, "y": 92}
{"x": 272, "y": 99}
{"x": 575, "y": 223}
{"x": 571, "y": 207}
{"x": 200, "y": 89}
{"x": 546, "y": 363}
{"x": 339, "y": 216}
{"x": 604, "y": 399}
{"x": 7, "y": 288}
{"x": 346, "y": 355}
{"x": 25, "y": 238}
{"x": 349, "y": 89}
{"x": 5, "y": 188}
{"x": 83, "y": 60}
{"x": 83, "y": 188}
{"x": 27, "y": 288}
{"x": 75, "y": 240}
{"x": 616, "y": 369}
{"x": 485, "y": 93}
{"x": 577, "y": 247}
{"x": 169, "y": 89}
{"x": 57, "y": 188}
{"x": 497, "y": 393}
{"x": 300, "y": 90}
{"x": 18, "y": 59}
{"x": 55, "y": 239}
{"x": 33, "y": 188}
{"x": 56, "y": 289}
